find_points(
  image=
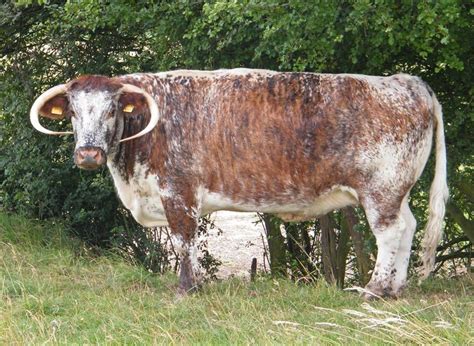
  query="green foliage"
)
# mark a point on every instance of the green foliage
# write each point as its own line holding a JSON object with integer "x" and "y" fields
{"x": 147, "y": 247}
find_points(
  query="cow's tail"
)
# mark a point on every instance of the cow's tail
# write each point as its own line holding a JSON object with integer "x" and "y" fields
{"x": 438, "y": 197}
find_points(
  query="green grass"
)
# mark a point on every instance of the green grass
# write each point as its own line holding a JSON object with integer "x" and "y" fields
{"x": 52, "y": 292}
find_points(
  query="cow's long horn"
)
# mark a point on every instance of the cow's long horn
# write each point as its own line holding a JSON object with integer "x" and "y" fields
{"x": 39, "y": 102}
{"x": 152, "y": 106}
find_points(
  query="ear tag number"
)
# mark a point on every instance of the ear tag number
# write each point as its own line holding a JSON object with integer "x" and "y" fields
{"x": 56, "y": 110}
{"x": 128, "y": 108}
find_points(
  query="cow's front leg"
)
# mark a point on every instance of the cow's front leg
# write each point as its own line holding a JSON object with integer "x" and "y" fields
{"x": 183, "y": 223}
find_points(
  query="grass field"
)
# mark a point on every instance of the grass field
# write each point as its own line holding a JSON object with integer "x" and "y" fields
{"x": 53, "y": 292}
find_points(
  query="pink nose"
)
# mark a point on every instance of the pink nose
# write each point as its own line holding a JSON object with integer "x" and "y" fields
{"x": 89, "y": 157}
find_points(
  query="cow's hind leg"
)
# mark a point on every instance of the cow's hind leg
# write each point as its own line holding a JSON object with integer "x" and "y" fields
{"x": 403, "y": 255}
{"x": 388, "y": 225}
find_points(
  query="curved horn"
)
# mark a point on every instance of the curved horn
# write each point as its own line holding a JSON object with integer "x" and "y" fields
{"x": 39, "y": 102}
{"x": 154, "y": 114}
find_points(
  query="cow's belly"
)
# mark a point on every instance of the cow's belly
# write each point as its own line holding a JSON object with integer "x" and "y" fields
{"x": 142, "y": 196}
{"x": 149, "y": 211}
{"x": 334, "y": 198}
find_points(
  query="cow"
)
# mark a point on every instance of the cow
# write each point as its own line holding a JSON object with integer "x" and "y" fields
{"x": 183, "y": 144}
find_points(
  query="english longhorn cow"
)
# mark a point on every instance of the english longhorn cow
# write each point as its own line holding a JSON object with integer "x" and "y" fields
{"x": 183, "y": 144}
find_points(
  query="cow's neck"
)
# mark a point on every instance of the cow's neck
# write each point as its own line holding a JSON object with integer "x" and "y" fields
{"x": 140, "y": 190}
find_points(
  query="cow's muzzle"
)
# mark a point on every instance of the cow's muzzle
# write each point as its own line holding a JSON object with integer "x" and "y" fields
{"x": 89, "y": 157}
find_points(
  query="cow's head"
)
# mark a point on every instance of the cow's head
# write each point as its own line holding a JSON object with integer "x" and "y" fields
{"x": 96, "y": 106}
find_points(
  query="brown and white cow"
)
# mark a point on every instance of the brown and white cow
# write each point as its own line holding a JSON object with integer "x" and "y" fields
{"x": 294, "y": 144}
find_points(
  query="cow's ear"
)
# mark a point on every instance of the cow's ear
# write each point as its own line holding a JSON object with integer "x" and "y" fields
{"x": 55, "y": 108}
{"x": 132, "y": 104}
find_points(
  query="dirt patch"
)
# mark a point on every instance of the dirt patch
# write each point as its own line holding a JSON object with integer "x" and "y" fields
{"x": 240, "y": 241}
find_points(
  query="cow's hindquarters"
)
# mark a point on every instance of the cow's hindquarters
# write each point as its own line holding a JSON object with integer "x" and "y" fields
{"x": 388, "y": 212}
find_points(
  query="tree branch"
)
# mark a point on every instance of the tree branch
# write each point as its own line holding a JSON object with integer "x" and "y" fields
{"x": 459, "y": 254}
{"x": 363, "y": 261}
{"x": 467, "y": 189}
{"x": 456, "y": 213}
{"x": 450, "y": 243}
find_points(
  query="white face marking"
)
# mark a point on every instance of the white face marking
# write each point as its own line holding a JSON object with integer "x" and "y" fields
{"x": 91, "y": 122}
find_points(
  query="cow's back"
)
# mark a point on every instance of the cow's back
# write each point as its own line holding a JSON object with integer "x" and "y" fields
{"x": 271, "y": 136}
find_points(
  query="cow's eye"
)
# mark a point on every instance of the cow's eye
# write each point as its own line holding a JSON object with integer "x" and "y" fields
{"x": 110, "y": 114}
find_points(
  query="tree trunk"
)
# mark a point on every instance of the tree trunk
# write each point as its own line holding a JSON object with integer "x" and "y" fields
{"x": 363, "y": 261}
{"x": 342, "y": 252}
{"x": 328, "y": 248}
{"x": 299, "y": 246}
{"x": 276, "y": 246}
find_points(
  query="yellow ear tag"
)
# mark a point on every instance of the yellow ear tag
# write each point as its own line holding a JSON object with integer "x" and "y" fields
{"x": 128, "y": 108}
{"x": 56, "y": 110}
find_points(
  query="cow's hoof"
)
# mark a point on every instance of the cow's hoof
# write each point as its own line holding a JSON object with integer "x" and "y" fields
{"x": 368, "y": 296}
{"x": 374, "y": 292}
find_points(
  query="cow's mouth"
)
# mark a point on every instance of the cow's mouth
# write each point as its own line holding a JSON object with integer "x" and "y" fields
{"x": 89, "y": 157}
